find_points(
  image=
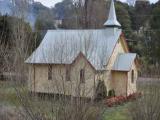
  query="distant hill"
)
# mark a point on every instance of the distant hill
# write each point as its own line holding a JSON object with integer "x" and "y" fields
{"x": 5, "y": 6}
{"x": 34, "y": 9}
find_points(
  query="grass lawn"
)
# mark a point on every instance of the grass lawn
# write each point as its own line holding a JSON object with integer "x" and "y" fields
{"x": 8, "y": 97}
{"x": 7, "y": 93}
{"x": 117, "y": 113}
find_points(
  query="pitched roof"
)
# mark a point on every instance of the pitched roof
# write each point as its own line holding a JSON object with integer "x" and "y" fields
{"x": 63, "y": 46}
{"x": 124, "y": 62}
{"x": 112, "y": 18}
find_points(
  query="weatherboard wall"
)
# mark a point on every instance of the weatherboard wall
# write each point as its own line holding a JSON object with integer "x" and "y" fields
{"x": 121, "y": 75}
{"x": 132, "y": 88}
{"x": 39, "y": 77}
{"x": 58, "y": 84}
{"x": 108, "y": 76}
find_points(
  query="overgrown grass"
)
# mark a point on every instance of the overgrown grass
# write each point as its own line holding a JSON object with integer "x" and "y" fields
{"x": 122, "y": 112}
{"x": 7, "y": 93}
{"x": 117, "y": 113}
{"x": 8, "y": 96}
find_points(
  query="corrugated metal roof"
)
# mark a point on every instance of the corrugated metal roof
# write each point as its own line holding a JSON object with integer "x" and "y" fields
{"x": 124, "y": 62}
{"x": 112, "y": 18}
{"x": 63, "y": 46}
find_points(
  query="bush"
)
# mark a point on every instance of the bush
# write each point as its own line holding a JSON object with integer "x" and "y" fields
{"x": 101, "y": 91}
{"x": 118, "y": 100}
{"x": 134, "y": 96}
{"x": 115, "y": 101}
{"x": 111, "y": 93}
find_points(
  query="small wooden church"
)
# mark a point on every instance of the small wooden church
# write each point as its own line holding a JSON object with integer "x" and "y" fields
{"x": 74, "y": 62}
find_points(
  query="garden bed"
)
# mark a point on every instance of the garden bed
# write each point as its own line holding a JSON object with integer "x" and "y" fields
{"x": 118, "y": 100}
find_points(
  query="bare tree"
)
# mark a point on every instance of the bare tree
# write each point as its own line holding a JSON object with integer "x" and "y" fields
{"x": 87, "y": 14}
{"x": 62, "y": 106}
{"x": 147, "y": 107}
{"x": 69, "y": 94}
{"x": 59, "y": 107}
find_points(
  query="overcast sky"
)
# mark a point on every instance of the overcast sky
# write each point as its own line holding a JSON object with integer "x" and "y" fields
{"x": 51, "y": 3}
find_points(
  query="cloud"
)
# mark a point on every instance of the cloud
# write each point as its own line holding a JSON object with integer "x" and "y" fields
{"x": 48, "y": 3}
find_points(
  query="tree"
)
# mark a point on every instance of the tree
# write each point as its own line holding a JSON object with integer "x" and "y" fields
{"x": 44, "y": 21}
{"x": 141, "y": 14}
{"x": 124, "y": 18}
{"x": 155, "y": 35}
{"x": 5, "y": 30}
{"x": 32, "y": 107}
{"x": 155, "y": 24}
{"x": 81, "y": 14}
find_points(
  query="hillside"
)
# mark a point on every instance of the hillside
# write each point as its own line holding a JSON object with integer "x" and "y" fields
{"x": 34, "y": 9}
{"x": 140, "y": 23}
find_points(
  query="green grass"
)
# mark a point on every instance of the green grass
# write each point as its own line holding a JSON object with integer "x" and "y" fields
{"x": 8, "y": 96}
{"x": 121, "y": 112}
{"x": 117, "y": 113}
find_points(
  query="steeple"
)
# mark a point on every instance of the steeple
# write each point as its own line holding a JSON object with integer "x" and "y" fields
{"x": 112, "y": 18}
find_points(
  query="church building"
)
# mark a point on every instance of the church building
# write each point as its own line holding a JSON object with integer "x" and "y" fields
{"x": 74, "y": 62}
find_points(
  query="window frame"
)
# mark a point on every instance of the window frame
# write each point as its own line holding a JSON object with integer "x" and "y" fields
{"x": 49, "y": 72}
{"x": 82, "y": 76}
{"x": 68, "y": 73}
{"x": 132, "y": 76}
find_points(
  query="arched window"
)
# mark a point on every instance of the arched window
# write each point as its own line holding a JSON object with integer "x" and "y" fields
{"x": 50, "y": 72}
{"x": 132, "y": 76}
{"x": 82, "y": 76}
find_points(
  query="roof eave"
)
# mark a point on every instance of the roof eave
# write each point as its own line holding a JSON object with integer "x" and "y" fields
{"x": 120, "y": 70}
{"x": 110, "y": 23}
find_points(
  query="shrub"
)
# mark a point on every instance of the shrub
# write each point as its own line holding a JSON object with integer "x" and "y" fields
{"x": 118, "y": 100}
{"x": 101, "y": 91}
{"x": 111, "y": 93}
{"x": 134, "y": 96}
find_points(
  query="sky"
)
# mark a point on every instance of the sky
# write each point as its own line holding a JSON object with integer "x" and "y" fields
{"x": 51, "y": 3}
{"x": 48, "y": 3}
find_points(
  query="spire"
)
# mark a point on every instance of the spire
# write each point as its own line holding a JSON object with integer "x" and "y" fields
{"x": 112, "y": 18}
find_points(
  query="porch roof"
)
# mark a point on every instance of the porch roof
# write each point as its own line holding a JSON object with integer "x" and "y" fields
{"x": 124, "y": 62}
